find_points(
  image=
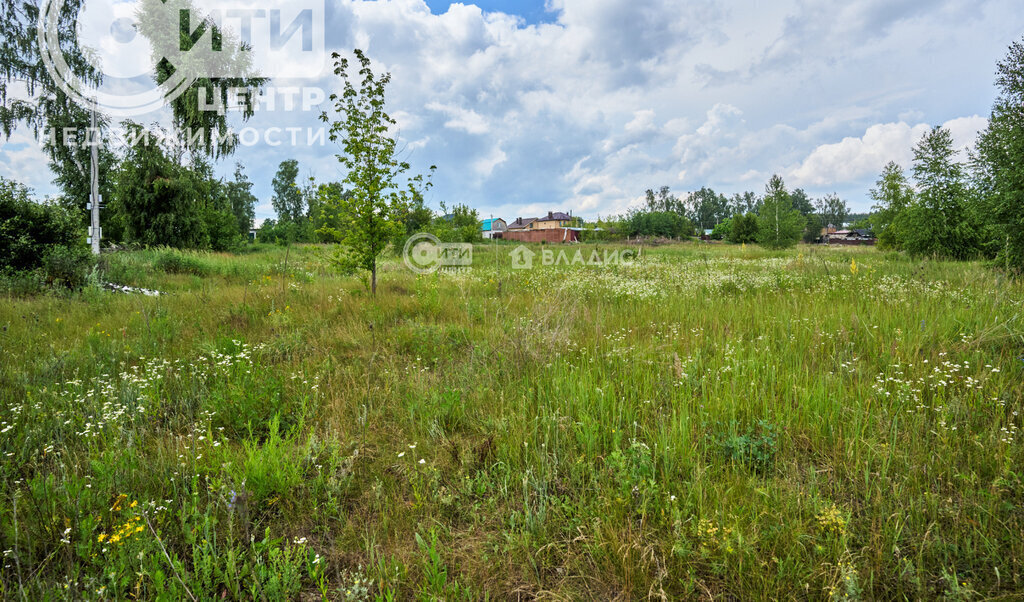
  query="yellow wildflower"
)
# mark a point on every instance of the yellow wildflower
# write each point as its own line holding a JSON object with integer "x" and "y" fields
{"x": 117, "y": 503}
{"x": 831, "y": 520}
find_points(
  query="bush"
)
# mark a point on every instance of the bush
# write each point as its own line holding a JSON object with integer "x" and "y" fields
{"x": 47, "y": 239}
{"x": 67, "y": 266}
{"x": 723, "y": 230}
{"x": 754, "y": 446}
{"x": 743, "y": 229}
{"x": 462, "y": 225}
{"x": 176, "y": 262}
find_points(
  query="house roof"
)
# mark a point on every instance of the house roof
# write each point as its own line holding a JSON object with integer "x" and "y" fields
{"x": 488, "y": 224}
{"x": 555, "y": 216}
{"x": 521, "y": 223}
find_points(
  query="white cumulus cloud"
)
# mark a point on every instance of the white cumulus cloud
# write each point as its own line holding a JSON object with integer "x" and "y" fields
{"x": 855, "y": 158}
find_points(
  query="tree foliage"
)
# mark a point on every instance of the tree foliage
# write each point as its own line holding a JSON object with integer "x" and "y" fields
{"x": 288, "y": 200}
{"x": 43, "y": 107}
{"x": 200, "y": 111}
{"x": 374, "y": 209}
{"x": 1000, "y": 162}
{"x": 707, "y": 208}
{"x": 70, "y": 156}
{"x": 42, "y": 238}
{"x": 779, "y": 225}
{"x": 324, "y": 211}
{"x": 746, "y": 202}
{"x": 893, "y": 195}
{"x": 22, "y": 64}
{"x": 461, "y": 225}
{"x": 663, "y": 201}
{"x": 801, "y": 202}
{"x": 241, "y": 200}
{"x": 939, "y": 222}
{"x": 743, "y": 229}
{"x": 662, "y": 224}
{"x": 159, "y": 201}
{"x": 832, "y": 210}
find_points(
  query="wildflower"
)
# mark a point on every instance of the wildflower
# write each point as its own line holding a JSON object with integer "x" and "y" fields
{"x": 853, "y": 267}
{"x": 831, "y": 520}
{"x": 117, "y": 503}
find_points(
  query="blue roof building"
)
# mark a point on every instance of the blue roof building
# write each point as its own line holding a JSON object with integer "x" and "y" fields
{"x": 489, "y": 226}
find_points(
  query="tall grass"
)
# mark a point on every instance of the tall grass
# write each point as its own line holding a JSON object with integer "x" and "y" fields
{"x": 708, "y": 421}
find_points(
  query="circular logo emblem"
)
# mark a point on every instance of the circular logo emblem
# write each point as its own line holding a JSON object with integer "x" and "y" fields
{"x": 421, "y": 253}
{"x": 116, "y": 49}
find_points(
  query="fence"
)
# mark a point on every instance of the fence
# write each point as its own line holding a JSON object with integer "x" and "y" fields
{"x": 552, "y": 235}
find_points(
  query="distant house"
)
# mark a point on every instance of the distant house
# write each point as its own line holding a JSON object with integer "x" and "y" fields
{"x": 555, "y": 227}
{"x": 522, "y": 223}
{"x": 254, "y": 228}
{"x": 544, "y": 235}
{"x": 489, "y": 227}
{"x": 858, "y": 236}
{"x": 554, "y": 219}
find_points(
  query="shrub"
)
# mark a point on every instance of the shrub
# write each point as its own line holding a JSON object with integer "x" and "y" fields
{"x": 44, "y": 238}
{"x": 67, "y": 266}
{"x": 723, "y": 230}
{"x": 176, "y": 262}
{"x": 743, "y": 229}
{"x": 754, "y": 446}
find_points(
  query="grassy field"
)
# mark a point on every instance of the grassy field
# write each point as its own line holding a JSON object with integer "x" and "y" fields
{"x": 707, "y": 422}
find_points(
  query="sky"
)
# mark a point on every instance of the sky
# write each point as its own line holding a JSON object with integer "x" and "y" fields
{"x": 582, "y": 105}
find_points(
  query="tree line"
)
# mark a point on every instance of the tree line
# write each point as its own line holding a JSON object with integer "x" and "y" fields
{"x": 779, "y": 218}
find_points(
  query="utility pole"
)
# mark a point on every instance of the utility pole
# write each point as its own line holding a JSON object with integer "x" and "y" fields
{"x": 94, "y": 185}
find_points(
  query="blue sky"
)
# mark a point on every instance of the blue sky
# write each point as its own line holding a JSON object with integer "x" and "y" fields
{"x": 584, "y": 106}
{"x": 531, "y": 11}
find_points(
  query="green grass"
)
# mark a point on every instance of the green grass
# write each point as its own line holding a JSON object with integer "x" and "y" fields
{"x": 710, "y": 421}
